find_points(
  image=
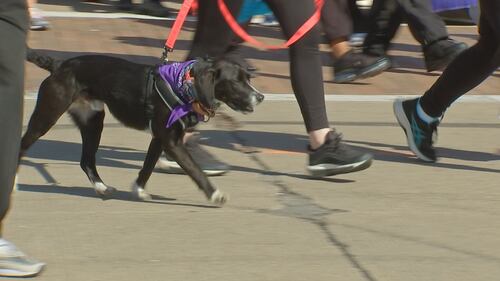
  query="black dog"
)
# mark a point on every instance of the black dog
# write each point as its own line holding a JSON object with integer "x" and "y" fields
{"x": 139, "y": 97}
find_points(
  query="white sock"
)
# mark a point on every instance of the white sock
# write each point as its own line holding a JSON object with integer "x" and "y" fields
{"x": 424, "y": 116}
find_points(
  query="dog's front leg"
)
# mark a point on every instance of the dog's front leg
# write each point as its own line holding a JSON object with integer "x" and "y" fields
{"x": 181, "y": 155}
{"x": 154, "y": 152}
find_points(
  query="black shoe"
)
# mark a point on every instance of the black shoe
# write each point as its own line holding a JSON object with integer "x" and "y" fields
{"x": 334, "y": 157}
{"x": 154, "y": 9}
{"x": 419, "y": 134}
{"x": 440, "y": 53}
{"x": 353, "y": 66}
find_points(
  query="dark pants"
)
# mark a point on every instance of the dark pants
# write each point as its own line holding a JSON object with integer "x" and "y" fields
{"x": 336, "y": 19}
{"x": 13, "y": 24}
{"x": 386, "y": 16}
{"x": 213, "y": 38}
{"x": 471, "y": 67}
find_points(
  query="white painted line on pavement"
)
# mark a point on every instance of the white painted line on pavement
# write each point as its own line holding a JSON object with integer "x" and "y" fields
{"x": 105, "y": 15}
{"x": 352, "y": 98}
{"x": 381, "y": 98}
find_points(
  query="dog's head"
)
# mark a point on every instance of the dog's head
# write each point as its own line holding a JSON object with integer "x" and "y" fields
{"x": 232, "y": 86}
{"x": 225, "y": 81}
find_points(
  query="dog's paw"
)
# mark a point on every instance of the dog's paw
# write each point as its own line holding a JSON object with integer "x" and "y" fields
{"x": 139, "y": 193}
{"x": 103, "y": 190}
{"x": 219, "y": 198}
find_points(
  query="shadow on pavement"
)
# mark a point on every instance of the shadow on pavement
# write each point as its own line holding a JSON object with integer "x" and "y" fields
{"x": 389, "y": 152}
{"x": 90, "y": 193}
{"x": 71, "y": 151}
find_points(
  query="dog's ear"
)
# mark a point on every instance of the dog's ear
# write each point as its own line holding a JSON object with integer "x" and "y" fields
{"x": 204, "y": 81}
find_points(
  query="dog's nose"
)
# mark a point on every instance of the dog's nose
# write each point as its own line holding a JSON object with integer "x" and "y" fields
{"x": 260, "y": 97}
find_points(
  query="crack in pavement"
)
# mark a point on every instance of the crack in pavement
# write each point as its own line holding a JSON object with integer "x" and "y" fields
{"x": 299, "y": 206}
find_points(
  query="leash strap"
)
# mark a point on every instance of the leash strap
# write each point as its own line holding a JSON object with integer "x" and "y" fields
{"x": 176, "y": 28}
{"x": 308, "y": 25}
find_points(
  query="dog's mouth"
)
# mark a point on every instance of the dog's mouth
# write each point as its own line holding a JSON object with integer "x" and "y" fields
{"x": 207, "y": 112}
{"x": 244, "y": 110}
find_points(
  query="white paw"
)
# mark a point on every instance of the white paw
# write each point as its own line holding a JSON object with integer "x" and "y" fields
{"x": 219, "y": 198}
{"x": 139, "y": 193}
{"x": 103, "y": 190}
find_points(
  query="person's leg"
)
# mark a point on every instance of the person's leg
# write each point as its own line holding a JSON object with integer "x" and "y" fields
{"x": 430, "y": 31}
{"x": 213, "y": 36}
{"x": 337, "y": 25}
{"x": 426, "y": 26}
{"x": 349, "y": 65}
{"x": 305, "y": 61}
{"x": 11, "y": 102}
{"x": 471, "y": 67}
{"x": 13, "y": 25}
{"x": 328, "y": 155}
{"x": 420, "y": 117}
{"x": 385, "y": 18}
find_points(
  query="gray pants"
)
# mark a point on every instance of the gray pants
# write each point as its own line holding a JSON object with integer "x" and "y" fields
{"x": 13, "y": 22}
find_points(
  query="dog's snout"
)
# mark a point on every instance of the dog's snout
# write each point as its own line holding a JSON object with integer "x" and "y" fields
{"x": 260, "y": 97}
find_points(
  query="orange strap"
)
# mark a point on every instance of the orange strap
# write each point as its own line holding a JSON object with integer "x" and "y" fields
{"x": 308, "y": 25}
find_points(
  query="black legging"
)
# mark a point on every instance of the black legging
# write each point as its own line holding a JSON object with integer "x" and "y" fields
{"x": 214, "y": 38}
{"x": 471, "y": 67}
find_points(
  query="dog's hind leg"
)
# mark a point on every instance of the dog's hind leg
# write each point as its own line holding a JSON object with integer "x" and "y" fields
{"x": 89, "y": 117}
{"x": 51, "y": 104}
{"x": 181, "y": 155}
{"x": 154, "y": 152}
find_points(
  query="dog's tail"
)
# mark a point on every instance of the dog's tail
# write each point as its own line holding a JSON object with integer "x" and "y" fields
{"x": 43, "y": 61}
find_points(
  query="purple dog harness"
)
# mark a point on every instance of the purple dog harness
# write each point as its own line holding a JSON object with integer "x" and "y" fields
{"x": 177, "y": 75}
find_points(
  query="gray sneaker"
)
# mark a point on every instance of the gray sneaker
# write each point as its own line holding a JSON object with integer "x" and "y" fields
{"x": 13, "y": 263}
{"x": 210, "y": 165}
{"x": 39, "y": 23}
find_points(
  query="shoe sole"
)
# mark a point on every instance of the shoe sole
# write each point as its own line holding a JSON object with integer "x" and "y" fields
{"x": 324, "y": 170}
{"x": 38, "y": 28}
{"x": 365, "y": 73}
{"x": 376, "y": 69}
{"x": 405, "y": 125}
{"x": 17, "y": 273}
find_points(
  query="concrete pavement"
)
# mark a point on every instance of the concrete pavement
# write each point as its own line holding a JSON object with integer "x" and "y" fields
{"x": 399, "y": 220}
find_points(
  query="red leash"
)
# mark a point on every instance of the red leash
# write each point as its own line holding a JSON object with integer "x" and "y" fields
{"x": 186, "y": 6}
{"x": 310, "y": 23}
{"x": 176, "y": 28}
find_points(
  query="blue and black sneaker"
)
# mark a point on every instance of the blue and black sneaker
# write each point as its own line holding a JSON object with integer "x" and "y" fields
{"x": 335, "y": 157}
{"x": 420, "y": 135}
